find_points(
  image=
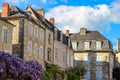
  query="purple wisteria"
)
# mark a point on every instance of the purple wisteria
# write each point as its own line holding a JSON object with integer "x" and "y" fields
{"x": 12, "y": 67}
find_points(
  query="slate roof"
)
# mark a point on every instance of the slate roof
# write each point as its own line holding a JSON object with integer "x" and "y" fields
{"x": 44, "y": 21}
{"x": 90, "y": 35}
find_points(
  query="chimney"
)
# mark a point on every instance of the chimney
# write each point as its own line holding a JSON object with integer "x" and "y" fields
{"x": 41, "y": 11}
{"x": 83, "y": 31}
{"x": 67, "y": 32}
{"x": 5, "y": 10}
{"x": 52, "y": 20}
{"x": 118, "y": 45}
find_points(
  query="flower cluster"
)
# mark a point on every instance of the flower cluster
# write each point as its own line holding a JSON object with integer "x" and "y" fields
{"x": 17, "y": 69}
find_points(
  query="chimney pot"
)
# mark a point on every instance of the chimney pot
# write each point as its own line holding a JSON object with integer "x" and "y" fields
{"x": 83, "y": 31}
{"x": 67, "y": 32}
{"x": 5, "y": 10}
{"x": 41, "y": 11}
{"x": 52, "y": 20}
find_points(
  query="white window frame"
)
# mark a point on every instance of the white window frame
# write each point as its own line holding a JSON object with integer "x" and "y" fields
{"x": 87, "y": 45}
{"x": 30, "y": 26}
{"x": 35, "y": 49}
{"x": 29, "y": 47}
{"x": 56, "y": 53}
{"x": 41, "y": 51}
{"x": 98, "y": 45}
{"x": 74, "y": 45}
{"x": 98, "y": 59}
{"x": 4, "y": 34}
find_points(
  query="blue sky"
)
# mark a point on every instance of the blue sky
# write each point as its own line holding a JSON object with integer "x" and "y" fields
{"x": 101, "y": 15}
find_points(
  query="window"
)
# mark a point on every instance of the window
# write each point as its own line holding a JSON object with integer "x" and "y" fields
{"x": 99, "y": 59}
{"x": 86, "y": 59}
{"x": 87, "y": 45}
{"x": 36, "y": 32}
{"x": 4, "y": 34}
{"x": 41, "y": 35}
{"x": 49, "y": 54}
{"x": 61, "y": 36}
{"x": 74, "y": 45}
{"x": 49, "y": 38}
{"x": 41, "y": 51}
{"x": 56, "y": 53}
{"x": 87, "y": 75}
{"x": 30, "y": 29}
{"x": 99, "y": 75}
{"x": 64, "y": 56}
{"x": 98, "y": 45}
{"x": 35, "y": 49}
{"x": 29, "y": 47}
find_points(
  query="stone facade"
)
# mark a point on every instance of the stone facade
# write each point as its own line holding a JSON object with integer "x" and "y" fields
{"x": 63, "y": 52}
{"x": 28, "y": 36}
{"x": 94, "y": 52}
{"x": 6, "y": 36}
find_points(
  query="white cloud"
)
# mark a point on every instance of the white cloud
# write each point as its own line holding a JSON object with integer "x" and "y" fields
{"x": 35, "y": 6}
{"x": 43, "y": 1}
{"x": 93, "y": 18}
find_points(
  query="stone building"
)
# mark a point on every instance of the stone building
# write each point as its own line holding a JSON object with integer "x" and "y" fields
{"x": 49, "y": 32}
{"x": 94, "y": 52}
{"x": 63, "y": 52}
{"x": 6, "y": 29}
{"x": 28, "y": 40}
{"x": 117, "y": 54}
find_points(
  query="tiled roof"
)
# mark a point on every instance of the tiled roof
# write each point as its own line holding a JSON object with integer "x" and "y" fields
{"x": 90, "y": 35}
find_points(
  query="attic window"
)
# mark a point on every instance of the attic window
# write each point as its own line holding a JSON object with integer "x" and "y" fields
{"x": 87, "y": 45}
{"x": 98, "y": 45}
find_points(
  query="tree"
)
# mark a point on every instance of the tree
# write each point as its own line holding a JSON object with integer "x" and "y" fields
{"x": 12, "y": 67}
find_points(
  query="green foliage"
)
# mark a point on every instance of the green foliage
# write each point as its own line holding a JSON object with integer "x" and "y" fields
{"x": 72, "y": 76}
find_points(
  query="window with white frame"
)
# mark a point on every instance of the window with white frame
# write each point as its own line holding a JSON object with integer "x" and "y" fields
{"x": 42, "y": 35}
{"x": 87, "y": 75}
{"x": 29, "y": 47}
{"x": 35, "y": 31}
{"x": 74, "y": 45}
{"x": 86, "y": 45}
{"x": 56, "y": 53}
{"x": 4, "y": 34}
{"x": 36, "y": 49}
{"x": 41, "y": 51}
{"x": 30, "y": 28}
{"x": 86, "y": 58}
{"x": 98, "y": 45}
{"x": 98, "y": 59}
{"x": 99, "y": 75}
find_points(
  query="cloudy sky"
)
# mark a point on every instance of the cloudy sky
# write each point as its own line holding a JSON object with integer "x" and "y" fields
{"x": 101, "y": 15}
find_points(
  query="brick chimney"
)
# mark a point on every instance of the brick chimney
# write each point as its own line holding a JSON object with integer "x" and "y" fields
{"x": 41, "y": 11}
{"x": 5, "y": 10}
{"x": 83, "y": 31}
{"x": 52, "y": 20}
{"x": 67, "y": 32}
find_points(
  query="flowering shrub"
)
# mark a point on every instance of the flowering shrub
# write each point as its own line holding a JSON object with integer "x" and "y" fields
{"x": 12, "y": 67}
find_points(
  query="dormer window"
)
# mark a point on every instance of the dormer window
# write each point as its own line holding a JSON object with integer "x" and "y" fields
{"x": 98, "y": 45}
{"x": 86, "y": 45}
{"x": 61, "y": 36}
{"x": 74, "y": 45}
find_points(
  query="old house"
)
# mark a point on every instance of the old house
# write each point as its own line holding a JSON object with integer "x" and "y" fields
{"x": 63, "y": 52}
{"x": 49, "y": 32}
{"x": 94, "y": 52}
{"x": 28, "y": 34}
